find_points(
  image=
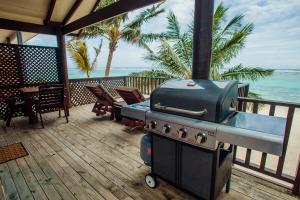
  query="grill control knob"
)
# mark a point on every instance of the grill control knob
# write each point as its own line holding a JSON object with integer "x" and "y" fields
{"x": 200, "y": 138}
{"x": 166, "y": 128}
{"x": 153, "y": 124}
{"x": 182, "y": 133}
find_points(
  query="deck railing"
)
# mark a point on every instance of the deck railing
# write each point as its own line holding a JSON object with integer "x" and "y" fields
{"x": 80, "y": 95}
{"x": 270, "y": 110}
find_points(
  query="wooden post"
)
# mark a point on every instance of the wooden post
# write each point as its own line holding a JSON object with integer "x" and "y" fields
{"x": 19, "y": 37}
{"x": 8, "y": 41}
{"x": 202, "y": 39}
{"x": 61, "y": 44}
{"x": 297, "y": 180}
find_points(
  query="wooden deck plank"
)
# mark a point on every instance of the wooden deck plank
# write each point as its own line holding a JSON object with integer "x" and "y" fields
{"x": 85, "y": 170}
{"x": 109, "y": 159}
{"x": 2, "y": 194}
{"x": 8, "y": 185}
{"x": 10, "y": 189}
{"x": 99, "y": 158}
{"x": 37, "y": 182}
{"x": 43, "y": 163}
{"x": 133, "y": 170}
{"x": 65, "y": 173}
{"x": 108, "y": 172}
{"x": 20, "y": 183}
{"x": 31, "y": 181}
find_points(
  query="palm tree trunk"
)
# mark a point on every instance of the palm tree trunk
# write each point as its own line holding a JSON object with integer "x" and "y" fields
{"x": 112, "y": 48}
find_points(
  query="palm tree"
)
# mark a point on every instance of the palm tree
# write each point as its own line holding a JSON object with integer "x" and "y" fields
{"x": 79, "y": 53}
{"x": 174, "y": 56}
{"x": 120, "y": 28}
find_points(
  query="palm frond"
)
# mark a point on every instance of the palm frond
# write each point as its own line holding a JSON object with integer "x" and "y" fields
{"x": 94, "y": 31}
{"x": 183, "y": 47}
{"x": 167, "y": 59}
{"x": 173, "y": 28}
{"x": 78, "y": 50}
{"x": 246, "y": 73}
{"x": 226, "y": 49}
{"x": 234, "y": 24}
{"x": 145, "y": 16}
{"x": 219, "y": 17}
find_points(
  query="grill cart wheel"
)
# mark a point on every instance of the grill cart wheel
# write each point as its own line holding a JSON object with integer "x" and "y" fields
{"x": 151, "y": 181}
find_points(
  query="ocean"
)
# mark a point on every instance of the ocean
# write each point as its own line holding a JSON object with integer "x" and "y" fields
{"x": 283, "y": 85}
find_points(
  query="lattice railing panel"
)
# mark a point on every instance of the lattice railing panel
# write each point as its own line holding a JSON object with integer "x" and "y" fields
{"x": 81, "y": 96}
{"x": 9, "y": 68}
{"x": 26, "y": 65}
{"x": 39, "y": 65}
{"x": 112, "y": 83}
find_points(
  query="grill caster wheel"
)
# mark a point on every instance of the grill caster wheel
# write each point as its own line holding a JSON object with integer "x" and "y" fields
{"x": 151, "y": 181}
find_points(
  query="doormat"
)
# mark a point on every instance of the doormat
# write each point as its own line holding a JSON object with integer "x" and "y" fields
{"x": 12, "y": 152}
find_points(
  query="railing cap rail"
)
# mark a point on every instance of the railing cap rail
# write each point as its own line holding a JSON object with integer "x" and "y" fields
{"x": 270, "y": 102}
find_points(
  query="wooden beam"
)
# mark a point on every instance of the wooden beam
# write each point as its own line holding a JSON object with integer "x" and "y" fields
{"x": 19, "y": 37}
{"x": 50, "y": 11}
{"x": 95, "y": 6}
{"x": 110, "y": 11}
{"x": 71, "y": 11}
{"x": 50, "y": 29}
{"x": 202, "y": 39}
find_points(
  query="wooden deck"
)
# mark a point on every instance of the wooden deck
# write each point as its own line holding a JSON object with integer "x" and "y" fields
{"x": 93, "y": 158}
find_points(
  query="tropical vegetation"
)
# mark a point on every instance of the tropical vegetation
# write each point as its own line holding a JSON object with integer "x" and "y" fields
{"x": 79, "y": 52}
{"x": 122, "y": 28}
{"x": 173, "y": 59}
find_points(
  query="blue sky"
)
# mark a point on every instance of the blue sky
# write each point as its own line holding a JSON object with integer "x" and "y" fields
{"x": 275, "y": 42}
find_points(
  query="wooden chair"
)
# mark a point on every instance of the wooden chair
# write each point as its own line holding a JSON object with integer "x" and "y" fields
{"x": 131, "y": 96}
{"x": 13, "y": 105}
{"x": 51, "y": 98}
{"x": 105, "y": 101}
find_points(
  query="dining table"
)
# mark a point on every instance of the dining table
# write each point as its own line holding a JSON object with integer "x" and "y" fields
{"x": 29, "y": 94}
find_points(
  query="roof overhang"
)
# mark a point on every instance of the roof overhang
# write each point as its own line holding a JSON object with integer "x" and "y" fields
{"x": 58, "y": 16}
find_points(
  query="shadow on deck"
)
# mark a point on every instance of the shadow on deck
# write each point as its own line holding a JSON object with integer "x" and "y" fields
{"x": 94, "y": 158}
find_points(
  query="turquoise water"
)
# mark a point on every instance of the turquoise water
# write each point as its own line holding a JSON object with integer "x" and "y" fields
{"x": 75, "y": 73}
{"x": 282, "y": 86}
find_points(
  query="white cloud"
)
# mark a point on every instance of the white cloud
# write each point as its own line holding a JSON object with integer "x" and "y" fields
{"x": 275, "y": 42}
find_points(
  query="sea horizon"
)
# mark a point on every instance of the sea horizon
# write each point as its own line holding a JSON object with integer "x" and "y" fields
{"x": 283, "y": 85}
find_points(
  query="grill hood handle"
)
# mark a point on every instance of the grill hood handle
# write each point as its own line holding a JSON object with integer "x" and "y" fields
{"x": 182, "y": 111}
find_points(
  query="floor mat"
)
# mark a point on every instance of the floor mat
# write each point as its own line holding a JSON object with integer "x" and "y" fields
{"x": 11, "y": 152}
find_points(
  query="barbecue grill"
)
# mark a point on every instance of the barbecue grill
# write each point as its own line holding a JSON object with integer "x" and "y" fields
{"x": 190, "y": 122}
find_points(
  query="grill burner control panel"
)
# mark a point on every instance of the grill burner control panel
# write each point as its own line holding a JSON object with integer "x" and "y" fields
{"x": 182, "y": 129}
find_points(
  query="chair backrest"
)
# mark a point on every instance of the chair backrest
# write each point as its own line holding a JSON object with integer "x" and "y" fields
{"x": 51, "y": 97}
{"x": 130, "y": 95}
{"x": 2, "y": 96}
{"x": 101, "y": 93}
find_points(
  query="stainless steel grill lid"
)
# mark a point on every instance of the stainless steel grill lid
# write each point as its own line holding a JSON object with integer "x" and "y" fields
{"x": 199, "y": 99}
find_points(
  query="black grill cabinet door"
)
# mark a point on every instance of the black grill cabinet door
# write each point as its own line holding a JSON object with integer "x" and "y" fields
{"x": 196, "y": 171}
{"x": 164, "y": 158}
